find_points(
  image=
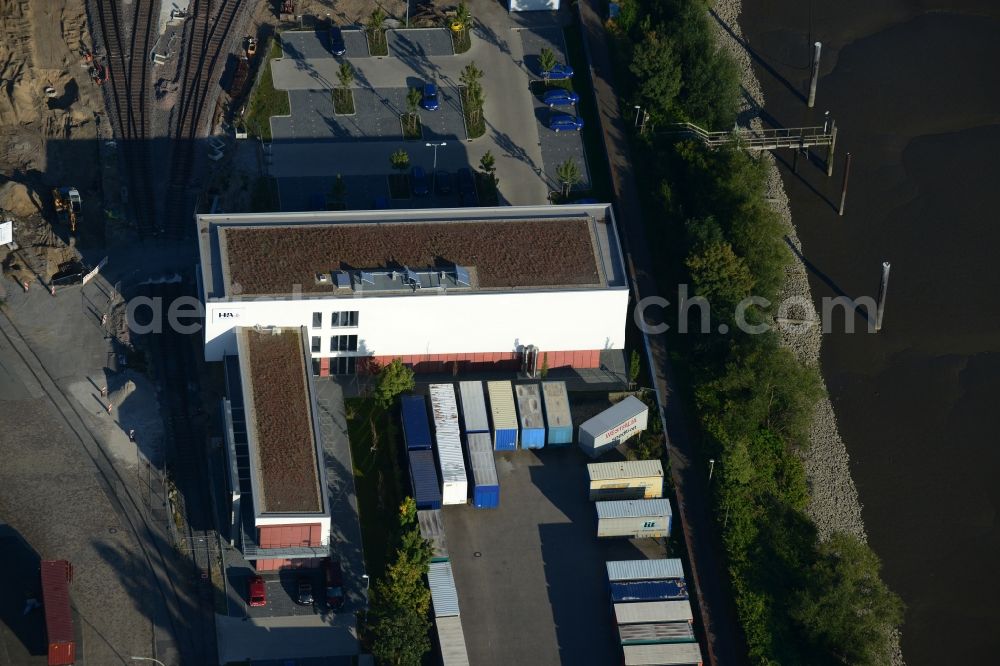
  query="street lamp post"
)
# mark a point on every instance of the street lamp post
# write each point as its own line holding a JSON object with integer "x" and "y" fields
{"x": 367, "y": 581}
{"x": 711, "y": 468}
{"x": 435, "y": 146}
{"x": 637, "y": 109}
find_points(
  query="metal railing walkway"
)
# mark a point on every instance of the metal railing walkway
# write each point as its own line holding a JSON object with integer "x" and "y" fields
{"x": 765, "y": 139}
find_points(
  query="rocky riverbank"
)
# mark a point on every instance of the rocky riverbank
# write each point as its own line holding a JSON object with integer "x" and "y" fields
{"x": 834, "y": 503}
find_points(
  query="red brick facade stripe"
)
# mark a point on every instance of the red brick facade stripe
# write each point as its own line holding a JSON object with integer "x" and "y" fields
{"x": 436, "y": 363}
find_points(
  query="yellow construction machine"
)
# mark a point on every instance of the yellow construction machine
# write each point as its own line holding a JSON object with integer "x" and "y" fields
{"x": 68, "y": 205}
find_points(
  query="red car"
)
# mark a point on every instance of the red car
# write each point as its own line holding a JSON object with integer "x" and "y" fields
{"x": 258, "y": 591}
{"x": 334, "y": 583}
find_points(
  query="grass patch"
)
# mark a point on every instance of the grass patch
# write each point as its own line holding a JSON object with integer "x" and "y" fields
{"x": 264, "y": 195}
{"x": 593, "y": 143}
{"x": 378, "y": 477}
{"x": 399, "y": 186}
{"x": 473, "y": 128}
{"x": 460, "y": 41}
{"x": 379, "y": 46}
{"x": 412, "y": 128}
{"x": 343, "y": 102}
{"x": 265, "y": 100}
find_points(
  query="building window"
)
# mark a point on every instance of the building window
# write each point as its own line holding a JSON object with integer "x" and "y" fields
{"x": 344, "y": 319}
{"x": 317, "y": 320}
{"x": 344, "y": 343}
{"x": 315, "y": 367}
{"x": 345, "y": 365}
{"x": 316, "y": 343}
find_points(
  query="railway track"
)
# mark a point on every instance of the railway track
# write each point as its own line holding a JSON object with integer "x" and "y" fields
{"x": 128, "y": 32}
{"x": 205, "y": 53}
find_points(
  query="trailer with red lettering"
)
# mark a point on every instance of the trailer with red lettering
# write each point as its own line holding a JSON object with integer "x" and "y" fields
{"x": 613, "y": 426}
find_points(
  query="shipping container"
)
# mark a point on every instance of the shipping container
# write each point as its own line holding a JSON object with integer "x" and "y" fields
{"x": 451, "y": 639}
{"x": 613, "y": 426}
{"x": 474, "y": 417}
{"x": 56, "y": 576}
{"x": 454, "y": 481}
{"x": 504, "y": 415}
{"x": 557, "y": 416}
{"x": 648, "y": 590}
{"x": 634, "y": 518}
{"x": 444, "y": 596}
{"x": 644, "y": 612}
{"x": 529, "y": 407}
{"x": 432, "y": 529}
{"x": 625, "y": 570}
{"x": 652, "y": 634}
{"x": 628, "y": 479}
{"x": 424, "y": 479}
{"x": 666, "y": 654}
{"x": 416, "y": 429}
{"x": 486, "y": 487}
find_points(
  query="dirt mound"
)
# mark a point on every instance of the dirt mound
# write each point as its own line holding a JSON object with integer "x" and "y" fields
{"x": 17, "y": 199}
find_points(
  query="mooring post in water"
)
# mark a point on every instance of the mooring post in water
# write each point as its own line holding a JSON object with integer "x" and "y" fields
{"x": 880, "y": 306}
{"x": 833, "y": 147}
{"x": 843, "y": 188}
{"x": 817, "y": 47}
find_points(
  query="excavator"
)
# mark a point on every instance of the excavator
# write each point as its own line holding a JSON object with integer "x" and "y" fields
{"x": 251, "y": 47}
{"x": 68, "y": 205}
{"x": 97, "y": 71}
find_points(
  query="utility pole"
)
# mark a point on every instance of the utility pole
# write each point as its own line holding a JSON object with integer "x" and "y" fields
{"x": 882, "y": 288}
{"x": 817, "y": 47}
{"x": 843, "y": 188}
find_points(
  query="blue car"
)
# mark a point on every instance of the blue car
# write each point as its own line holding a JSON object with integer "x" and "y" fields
{"x": 337, "y": 45}
{"x": 561, "y": 122}
{"x": 418, "y": 181}
{"x": 430, "y": 99}
{"x": 559, "y": 72}
{"x": 560, "y": 98}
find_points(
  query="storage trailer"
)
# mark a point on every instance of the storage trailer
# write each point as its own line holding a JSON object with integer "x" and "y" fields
{"x": 474, "y": 417}
{"x": 654, "y": 633}
{"x": 56, "y": 576}
{"x": 486, "y": 487}
{"x": 645, "y": 612}
{"x": 634, "y": 518}
{"x": 416, "y": 429}
{"x": 451, "y": 640}
{"x": 667, "y": 654}
{"x": 613, "y": 426}
{"x": 454, "y": 481}
{"x": 662, "y": 569}
{"x": 628, "y": 479}
{"x": 648, "y": 590}
{"x": 558, "y": 419}
{"x": 424, "y": 479}
{"x": 529, "y": 406}
{"x": 504, "y": 415}
{"x": 444, "y": 595}
{"x": 432, "y": 529}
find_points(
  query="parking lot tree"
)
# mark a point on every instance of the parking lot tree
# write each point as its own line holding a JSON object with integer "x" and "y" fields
{"x": 569, "y": 174}
{"x": 461, "y": 28}
{"x": 343, "y": 100}
{"x": 393, "y": 379}
{"x": 375, "y": 27}
{"x": 471, "y": 79}
{"x": 400, "y": 160}
{"x": 547, "y": 59}
{"x": 413, "y": 97}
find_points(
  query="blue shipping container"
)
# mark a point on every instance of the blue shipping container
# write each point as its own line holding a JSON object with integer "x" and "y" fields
{"x": 424, "y": 479}
{"x": 557, "y": 415}
{"x": 504, "y": 415}
{"x": 648, "y": 590}
{"x": 486, "y": 491}
{"x": 416, "y": 429}
{"x": 529, "y": 406}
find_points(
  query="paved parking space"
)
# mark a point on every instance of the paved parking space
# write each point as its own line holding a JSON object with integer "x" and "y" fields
{"x": 313, "y": 44}
{"x": 282, "y": 592}
{"x": 533, "y": 568}
{"x": 420, "y": 42}
{"x": 535, "y": 39}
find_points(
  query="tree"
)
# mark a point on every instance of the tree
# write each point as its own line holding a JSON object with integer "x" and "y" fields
{"x": 488, "y": 163}
{"x": 847, "y": 609}
{"x": 658, "y": 72}
{"x": 345, "y": 74}
{"x": 393, "y": 379}
{"x": 401, "y": 637}
{"x": 546, "y": 60}
{"x": 463, "y": 15}
{"x": 633, "y": 368}
{"x": 544, "y": 371}
{"x": 720, "y": 276}
{"x": 375, "y": 29}
{"x": 471, "y": 78}
{"x": 400, "y": 160}
{"x": 568, "y": 173}
{"x": 413, "y": 97}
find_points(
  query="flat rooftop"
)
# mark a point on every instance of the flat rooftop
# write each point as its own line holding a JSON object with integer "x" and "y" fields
{"x": 284, "y": 459}
{"x": 392, "y": 252}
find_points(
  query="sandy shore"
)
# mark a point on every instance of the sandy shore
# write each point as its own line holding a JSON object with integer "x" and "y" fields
{"x": 834, "y": 503}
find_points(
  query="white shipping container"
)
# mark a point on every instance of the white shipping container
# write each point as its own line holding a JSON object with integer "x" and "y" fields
{"x": 451, "y": 638}
{"x": 664, "y": 654}
{"x": 634, "y": 518}
{"x": 454, "y": 481}
{"x": 644, "y": 612}
{"x": 613, "y": 426}
{"x": 628, "y": 570}
{"x": 474, "y": 417}
{"x": 635, "y": 479}
{"x": 444, "y": 595}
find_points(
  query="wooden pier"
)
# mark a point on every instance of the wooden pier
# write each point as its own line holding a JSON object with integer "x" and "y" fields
{"x": 799, "y": 138}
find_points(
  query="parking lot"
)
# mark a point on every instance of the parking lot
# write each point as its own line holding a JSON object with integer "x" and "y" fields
{"x": 531, "y": 579}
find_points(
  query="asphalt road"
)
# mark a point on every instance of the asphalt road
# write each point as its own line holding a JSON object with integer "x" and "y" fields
{"x": 724, "y": 638}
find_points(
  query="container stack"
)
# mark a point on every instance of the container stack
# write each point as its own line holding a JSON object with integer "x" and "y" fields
{"x": 447, "y": 619}
{"x": 529, "y": 406}
{"x": 474, "y": 417}
{"x": 432, "y": 529}
{"x": 424, "y": 479}
{"x": 444, "y": 408}
{"x": 634, "y": 518}
{"x": 652, "y": 612}
{"x": 416, "y": 429}
{"x": 628, "y": 479}
{"x": 504, "y": 415}
{"x": 557, "y": 415}
{"x": 486, "y": 487}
